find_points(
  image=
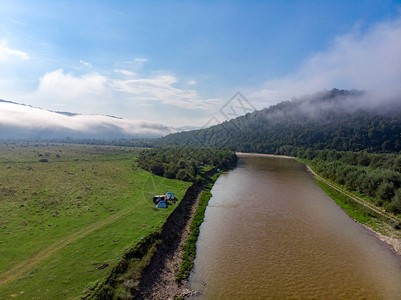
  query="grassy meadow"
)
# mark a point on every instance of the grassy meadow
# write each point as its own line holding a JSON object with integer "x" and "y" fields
{"x": 67, "y": 209}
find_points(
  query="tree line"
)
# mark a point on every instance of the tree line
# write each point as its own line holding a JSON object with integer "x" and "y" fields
{"x": 185, "y": 163}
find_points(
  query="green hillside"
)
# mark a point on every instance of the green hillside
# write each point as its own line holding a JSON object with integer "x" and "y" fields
{"x": 337, "y": 119}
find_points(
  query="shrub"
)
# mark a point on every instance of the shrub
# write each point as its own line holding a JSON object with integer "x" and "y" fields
{"x": 385, "y": 191}
{"x": 395, "y": 206}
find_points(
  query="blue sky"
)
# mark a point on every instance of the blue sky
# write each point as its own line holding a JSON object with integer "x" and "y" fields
{"x": 177, "y": 63}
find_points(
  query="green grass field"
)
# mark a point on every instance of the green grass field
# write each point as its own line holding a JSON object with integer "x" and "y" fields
{"x": 63, "y": 218}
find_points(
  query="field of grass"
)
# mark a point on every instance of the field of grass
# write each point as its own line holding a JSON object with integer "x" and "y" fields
{"x": 65, "y": 210}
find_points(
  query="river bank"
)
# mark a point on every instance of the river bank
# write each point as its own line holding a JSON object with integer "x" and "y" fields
{"x": 165, "y": 277}
{"x": 376, "y": 220}
{"x": 381, "y": 227}
{"x": 158, "y": 278}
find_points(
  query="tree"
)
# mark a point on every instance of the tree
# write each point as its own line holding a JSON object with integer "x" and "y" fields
{"x": 395, "y": 206}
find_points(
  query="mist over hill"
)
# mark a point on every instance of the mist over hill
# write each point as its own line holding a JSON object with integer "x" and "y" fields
{"x": 336, "y": 119}
{"x": 19, "y": 121}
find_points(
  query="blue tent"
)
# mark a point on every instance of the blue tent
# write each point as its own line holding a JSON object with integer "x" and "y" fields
{"x": 162, "y": 204}
{"x": 170, "y": 196}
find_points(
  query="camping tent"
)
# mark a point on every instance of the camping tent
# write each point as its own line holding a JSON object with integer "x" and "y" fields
{"x": 156, "y": 199}
{"x": 162, "y": 204}
{"x": 170, "y": 196}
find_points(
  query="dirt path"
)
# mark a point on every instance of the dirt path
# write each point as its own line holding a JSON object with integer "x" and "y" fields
{"x": 28, "y": 264}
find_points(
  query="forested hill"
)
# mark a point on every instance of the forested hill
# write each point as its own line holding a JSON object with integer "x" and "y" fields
{"x": 336, "y": 119}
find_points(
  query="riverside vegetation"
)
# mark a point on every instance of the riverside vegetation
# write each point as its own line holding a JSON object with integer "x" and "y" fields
{"x": 374, "y": 176}
{"x": 69, "y": 212}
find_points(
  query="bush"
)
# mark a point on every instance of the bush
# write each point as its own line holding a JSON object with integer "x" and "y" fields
{"x": 385, "y": 191}
{"x": 184, "y": 175}
{"x": 157, "y": 168}
{"x": 395, "y": 206}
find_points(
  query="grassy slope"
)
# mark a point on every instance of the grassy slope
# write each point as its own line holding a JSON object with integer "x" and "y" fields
{"x": 77, "y": 204}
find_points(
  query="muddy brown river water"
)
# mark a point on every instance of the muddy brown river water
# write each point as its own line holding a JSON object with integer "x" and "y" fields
{"x": 270, "y": 232}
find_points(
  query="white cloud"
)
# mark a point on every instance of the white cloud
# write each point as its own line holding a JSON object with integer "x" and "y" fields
{"x": 160, "y": 88}
{"x": 125, "y": 72}
{"x": 367, "y": 61}
{"x": 140, "y": 60}
{"x": 7, "y": 53}
{"x": 191, "y": 82}
{"x": 68, "y": 86}
{"x": 86, "y": 92}
{"x": 89, "y": 65}
{"x": 25, "y": 118}
{"x": 137, "y": 63}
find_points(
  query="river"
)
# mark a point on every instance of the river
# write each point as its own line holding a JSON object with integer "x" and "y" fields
{"x": 270, "y": 232}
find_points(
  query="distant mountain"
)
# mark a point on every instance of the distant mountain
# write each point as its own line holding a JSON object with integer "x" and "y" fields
{"x": 336, "y": 119}
{"x": 19, "y": 121}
